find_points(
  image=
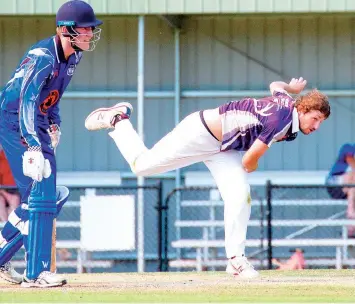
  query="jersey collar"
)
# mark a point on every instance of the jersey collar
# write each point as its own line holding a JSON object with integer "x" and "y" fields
{"x": 58, "y": 49}
{"x": 295, "y": 121}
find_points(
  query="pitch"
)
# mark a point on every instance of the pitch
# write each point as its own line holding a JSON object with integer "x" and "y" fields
{"x": 307, "y": 286}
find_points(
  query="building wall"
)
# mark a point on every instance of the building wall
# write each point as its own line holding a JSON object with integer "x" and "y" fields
{"x": 120, "y": 7}
{"x": 319, "y": 48}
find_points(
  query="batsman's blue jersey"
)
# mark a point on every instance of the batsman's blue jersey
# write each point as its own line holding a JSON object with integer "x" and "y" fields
{"x": 341, "y": 166}
{"x": 32, "y": 95}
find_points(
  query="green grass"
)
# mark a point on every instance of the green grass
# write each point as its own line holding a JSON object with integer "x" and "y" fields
{"x": 310, "y": 286}
{"x": 224, "y": 295}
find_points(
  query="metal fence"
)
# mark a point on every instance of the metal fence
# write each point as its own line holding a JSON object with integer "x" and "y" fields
{"x": 284, "y": 217}
{"x": 71, "y": 257}
{"x": 306, "y": 216}
{"x": 196, "y": 213}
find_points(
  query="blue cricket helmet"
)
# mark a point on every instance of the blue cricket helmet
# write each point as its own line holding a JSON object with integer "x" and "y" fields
{"x": 77, "y": 13}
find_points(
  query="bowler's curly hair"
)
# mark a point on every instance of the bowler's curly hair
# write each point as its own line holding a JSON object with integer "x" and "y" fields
{"x": 314, "y": 100}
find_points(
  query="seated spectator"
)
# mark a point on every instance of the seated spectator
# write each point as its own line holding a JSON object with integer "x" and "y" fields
{"x": 9, "y": 198}
{"x": 343, "y": 172}
{"x": 295, "y": 262}
{"x": 63, "y": 254}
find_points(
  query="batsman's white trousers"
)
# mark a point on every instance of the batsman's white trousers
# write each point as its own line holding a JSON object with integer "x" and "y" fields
{"x": 188, "y": 143}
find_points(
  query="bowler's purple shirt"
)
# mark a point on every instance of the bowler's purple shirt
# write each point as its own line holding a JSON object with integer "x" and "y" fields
{"x": 269, "y": 119}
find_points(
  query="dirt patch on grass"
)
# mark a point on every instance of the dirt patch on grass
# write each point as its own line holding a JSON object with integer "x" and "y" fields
{"x": 190, "y": 281}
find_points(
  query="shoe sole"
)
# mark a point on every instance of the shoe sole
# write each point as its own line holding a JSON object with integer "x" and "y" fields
{"x": 36, "y": 285}
{"x": 7, "y": 279}
{"x": 235, "y": 275}
{"x": 230, "y": 271}
{"x": 121, "y": 104}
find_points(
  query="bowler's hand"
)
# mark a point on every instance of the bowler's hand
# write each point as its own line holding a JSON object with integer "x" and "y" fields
{"x": 297, "y": 85}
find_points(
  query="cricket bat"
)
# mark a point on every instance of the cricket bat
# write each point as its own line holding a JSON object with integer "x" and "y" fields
{"x": 54, "y": 249}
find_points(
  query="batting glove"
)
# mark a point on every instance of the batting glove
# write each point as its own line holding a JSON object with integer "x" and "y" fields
{"x": 34, "y": 164}
{"x": 54, "y": 133}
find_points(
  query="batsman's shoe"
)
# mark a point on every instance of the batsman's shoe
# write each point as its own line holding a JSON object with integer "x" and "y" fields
{"x": 106, "y": 118}
{"x": 45, "y": 279}
{"x": 241, "y": 268}
{"x": 8, "y": 273}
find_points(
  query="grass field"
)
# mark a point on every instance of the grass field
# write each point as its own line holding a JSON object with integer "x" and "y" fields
{"x": 308, "y": 286}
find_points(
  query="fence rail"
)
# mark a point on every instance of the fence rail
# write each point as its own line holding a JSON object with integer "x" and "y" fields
{"x": 70, "y": 226}
{"x": 192, "y": 213}
{"x": 319, "y": 210}
{"x": 188, "y": 224}
{"x": 287, "y": 217}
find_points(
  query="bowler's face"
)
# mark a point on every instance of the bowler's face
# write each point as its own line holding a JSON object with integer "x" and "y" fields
{"x": 310, "y": 121}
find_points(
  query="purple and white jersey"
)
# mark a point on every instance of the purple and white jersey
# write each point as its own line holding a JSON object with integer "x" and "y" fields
{"x": 268, "y": 119}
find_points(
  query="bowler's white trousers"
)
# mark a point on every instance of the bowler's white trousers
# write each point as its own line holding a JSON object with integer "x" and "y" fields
{"x": 188, "y": 143}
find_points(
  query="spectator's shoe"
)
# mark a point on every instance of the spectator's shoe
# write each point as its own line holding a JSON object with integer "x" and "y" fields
{"x": 106, "y": 118}
{"x": 45, "y": 279}
{"x": 241, "y": 268}
{"x": 8, "y": 273}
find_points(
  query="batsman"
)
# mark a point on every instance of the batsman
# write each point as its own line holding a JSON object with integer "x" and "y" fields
{"x": 30, "y": 133}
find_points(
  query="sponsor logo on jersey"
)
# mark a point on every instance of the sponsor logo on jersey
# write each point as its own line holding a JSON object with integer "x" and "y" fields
{"x": 49, "y": 102}
{"x": 71, "y": 69}
{"x": 45, "y": 264}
